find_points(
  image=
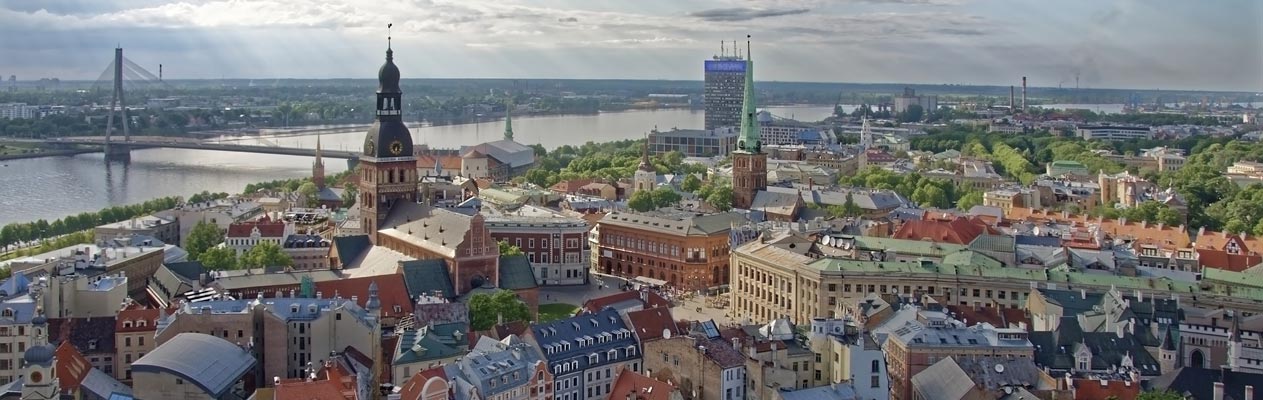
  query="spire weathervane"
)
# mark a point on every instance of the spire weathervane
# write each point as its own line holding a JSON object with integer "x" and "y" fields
{"x": 388, "y": 26}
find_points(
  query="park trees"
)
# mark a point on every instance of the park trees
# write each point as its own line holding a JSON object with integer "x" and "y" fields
{"x": 503, "y": 305}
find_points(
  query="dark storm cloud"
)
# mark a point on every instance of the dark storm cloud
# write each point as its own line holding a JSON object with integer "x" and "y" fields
{"x": 743, "y": 13}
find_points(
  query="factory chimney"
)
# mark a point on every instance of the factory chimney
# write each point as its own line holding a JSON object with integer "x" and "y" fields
{"x": 1023, "y": 94}
{"x": 1011, "y": 109}
{"x": 160, "y": 72}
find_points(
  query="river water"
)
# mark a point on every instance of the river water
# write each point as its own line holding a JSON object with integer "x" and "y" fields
{"x": 53, "y": 187}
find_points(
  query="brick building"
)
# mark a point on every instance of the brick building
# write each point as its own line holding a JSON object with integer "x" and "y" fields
{"x": 556, "y": 247}
{"x": 687, "y": 251}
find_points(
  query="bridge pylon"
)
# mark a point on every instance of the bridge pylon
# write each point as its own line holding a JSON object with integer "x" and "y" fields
{"x": 115, "y": 150}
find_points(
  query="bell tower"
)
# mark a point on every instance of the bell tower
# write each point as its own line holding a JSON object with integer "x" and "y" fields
{"x": 39, "y": 369}
{"x": 388, "y": 167}
{"x": 749, "y": 163}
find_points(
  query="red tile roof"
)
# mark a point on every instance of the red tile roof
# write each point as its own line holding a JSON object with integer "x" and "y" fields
{"x": 632, "y": 385}
{"x": 651, "y": 300}
{"x": 1220, "y": 240}
{"x": 570, "y": 186}
{"x": 413, "y": 386}
{"x": 650, "y": 324}
{"x": 1219, "y": 259}
{"x": 391, "y": 292}
{"x": 303, "y": 390}
{"x": 134, "y": 313}
{"x": 449, "y": 162}
{"x": 71, "y": 367}
{"x": 266, "y": 229}
{"x": 1091, "y": 389}
{"x": 957, "y": 231}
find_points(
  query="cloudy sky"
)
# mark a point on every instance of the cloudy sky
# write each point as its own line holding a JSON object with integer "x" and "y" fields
{"x": 1165, "y": 44}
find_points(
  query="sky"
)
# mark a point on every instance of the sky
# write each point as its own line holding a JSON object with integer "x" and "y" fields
{"x": 1138, "y": 44}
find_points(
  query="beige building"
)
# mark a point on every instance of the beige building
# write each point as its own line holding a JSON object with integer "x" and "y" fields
{"x": 164, "y": 229}
{"x": 775, "y": 358}
{"x": 934, "y": 336}
{"x": 133, "y": 338}
{"x": 286, "y": 333}
{"x": 701, "y": 367}
{"x": 771, "y": 280}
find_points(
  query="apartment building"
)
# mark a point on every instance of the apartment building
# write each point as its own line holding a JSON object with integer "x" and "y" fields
{"x": 586, "y": 353}
{"x": 686, "y": 250}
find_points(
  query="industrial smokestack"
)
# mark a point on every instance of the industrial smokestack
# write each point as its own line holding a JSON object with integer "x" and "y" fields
{"x": 1023, "y": 94}
{"x": 1011, "y": 110}
{"x": 159, "y": 71}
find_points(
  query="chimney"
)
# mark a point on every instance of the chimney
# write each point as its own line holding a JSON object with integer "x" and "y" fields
{"x": 1083, "y": 293}
{"x": 1023, "y": 94}
{"x": 1011, "y": 99}
{"x": 1249, "y": 392}
{"x": 1218, "y": 391}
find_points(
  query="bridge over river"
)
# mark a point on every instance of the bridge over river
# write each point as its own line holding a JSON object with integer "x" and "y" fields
{"x": 138, "y": 142}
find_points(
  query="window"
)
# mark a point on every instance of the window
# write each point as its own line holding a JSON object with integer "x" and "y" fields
{"x": 875, "y": 381}
{"x": 179, "y": 381}
{"x": 876, "y": 367}
{"x": 127, "y": 342}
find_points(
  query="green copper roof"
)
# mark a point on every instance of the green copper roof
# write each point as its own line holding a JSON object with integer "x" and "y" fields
{"x": 508, "y": 120}
{"x": 749, "y": 140}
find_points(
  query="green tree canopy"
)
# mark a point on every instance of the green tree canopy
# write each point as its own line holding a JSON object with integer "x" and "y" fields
{"x": 641, "y": 200}
{"x": 691, "y": 183}
{"x": 720, "y": 197}
{"x": 203, "y": 236}
{"x": 218, "y": 259}
{"x": 507, "y": 249}
{"x": 265, "y": 254}
{"x": 665, "y": 197}
{"x": 485, "y": 309}
{"x": 1163, "y": 395}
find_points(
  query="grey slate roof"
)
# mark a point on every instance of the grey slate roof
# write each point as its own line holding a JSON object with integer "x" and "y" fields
{"x": 675, "y": 223}
{"x": 351, "y": 247}
{"x": 103, "y": 385}
{"x": 509, "y": 359}
{"x": 211, "y": 363}
{"x": 775, "y": 202}
{"x": 516, "y": 273}
{"x": 426, "y": 277}
{"x": 506, "y": 151}
{"x": 1056, "y": 350}
{"x": 189, "y": 270}
{"x": 943, "y": 380}
{"x": 1197, "y": 382}
{"x": 567, "y": 331}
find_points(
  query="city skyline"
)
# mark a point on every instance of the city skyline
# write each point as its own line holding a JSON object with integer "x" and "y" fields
{"x": 1119, "y": 44}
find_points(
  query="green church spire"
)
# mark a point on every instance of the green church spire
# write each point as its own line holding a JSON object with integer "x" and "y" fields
{"x": 749, "y": 140}
{"x": 508, "y": 120}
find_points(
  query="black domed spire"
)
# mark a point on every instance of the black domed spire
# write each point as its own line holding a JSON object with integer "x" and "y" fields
{"x": 388, "y": 75}
{"x": 388, "y": 137}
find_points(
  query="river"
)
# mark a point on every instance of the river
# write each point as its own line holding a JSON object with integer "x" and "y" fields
{"x": 53, "y": 187}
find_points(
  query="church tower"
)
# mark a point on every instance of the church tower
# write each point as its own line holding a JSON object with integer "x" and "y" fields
{"x": 38, "y": 370}
{"x": 749, "y": 163}
{"x": 646, "y": 176}
{"x": 318, "y": 168}
{"x": 388, "y": 168}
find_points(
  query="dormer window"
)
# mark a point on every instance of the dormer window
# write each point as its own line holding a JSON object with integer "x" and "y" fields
{"x": 7, "y": 313}
{"x": 127, "y": 324}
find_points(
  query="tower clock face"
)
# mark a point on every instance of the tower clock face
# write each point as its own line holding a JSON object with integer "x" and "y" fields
{"x": 396, "y": 147}
{"x": 36, "y": 377}
{"x": 369, "y": 148}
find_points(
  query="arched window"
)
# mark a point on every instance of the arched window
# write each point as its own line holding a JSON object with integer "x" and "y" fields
{"x": 876, "y": 366}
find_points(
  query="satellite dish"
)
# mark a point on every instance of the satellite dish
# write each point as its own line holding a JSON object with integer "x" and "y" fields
{"x": 666, "y": 333}
{"x": 999, "y": 368}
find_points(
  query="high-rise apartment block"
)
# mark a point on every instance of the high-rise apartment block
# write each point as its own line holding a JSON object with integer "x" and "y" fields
{"x": 725, "y": 86}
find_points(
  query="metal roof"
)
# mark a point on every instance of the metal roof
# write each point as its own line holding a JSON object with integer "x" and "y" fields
{"x": 211, "y": 363}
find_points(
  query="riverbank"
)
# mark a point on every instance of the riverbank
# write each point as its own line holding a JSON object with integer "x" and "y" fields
{"x": 46, "y": 153}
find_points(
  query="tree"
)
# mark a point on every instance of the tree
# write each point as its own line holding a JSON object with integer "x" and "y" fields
{"x": 849, "y": 208}
{"x": 349, "y": 195}
{"x": 1163, "y": 395}
{"x": 913, "y": 113}
{"x": 641, "y": 201}
{"x": 503, "y": 305}
{"x": 308, "y": 191}
{"x": 265, "y": 254}
{"x": 218, "y": 259}
{"x": 665, "y": 197}
{"x": 969, "y": 200}
{"x": 507, "y": 249}
{"x": 203, "y": 236}
{"x": 691, "y": 183}
{"x": 720, "y": 198}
